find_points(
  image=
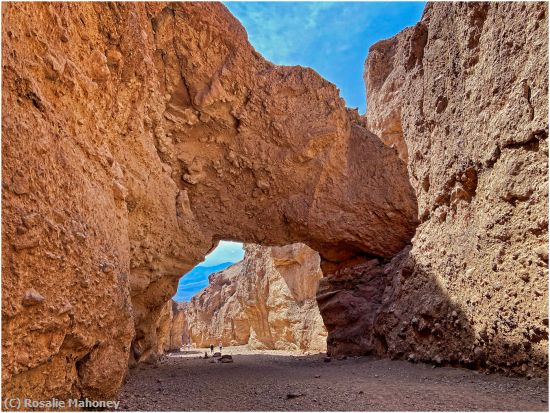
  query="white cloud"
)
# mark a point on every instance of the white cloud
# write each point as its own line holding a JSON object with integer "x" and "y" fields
{"x": 283, "y": 32}
{"x": 333, "y": 38}
{"x": 226, "y": 251}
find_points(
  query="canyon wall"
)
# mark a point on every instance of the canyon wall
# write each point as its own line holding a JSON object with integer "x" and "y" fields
{"x": 463, "y": 97}
{"x": 164, "y": 329}
{"x": 171, "y": 329}
{"x": 266, "y": 301}
{"x": 179, "y": 330}
{"x": 135, "y": 137}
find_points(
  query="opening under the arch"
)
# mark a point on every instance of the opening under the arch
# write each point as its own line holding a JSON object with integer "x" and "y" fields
{"x": 196, "y": 280}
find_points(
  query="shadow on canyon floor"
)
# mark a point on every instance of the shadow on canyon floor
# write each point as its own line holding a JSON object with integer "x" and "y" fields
{"x": 260, "y": 382}
{"x": 401, "y": 310}
{"x": 185, "y": 352}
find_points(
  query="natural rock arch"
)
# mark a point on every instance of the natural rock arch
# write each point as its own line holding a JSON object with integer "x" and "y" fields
{"x": 159, "y": 132}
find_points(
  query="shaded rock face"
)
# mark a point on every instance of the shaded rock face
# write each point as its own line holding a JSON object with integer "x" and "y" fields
{"x": 266, "y": 301}
{"x": 164, "y": 329}
{"x": 463, "y": 97}
{"x": 171, "y": 330}
{"x": 179, "y": 329}
{"x": 135, "y": 136}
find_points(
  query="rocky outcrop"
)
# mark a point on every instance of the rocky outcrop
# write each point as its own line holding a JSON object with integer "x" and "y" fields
{"x": 164, "y": 328}
{"x": 179, "y": 330}
{"x": 171, "y": 330}
{"x": 135, "y": 137}
{"x": 463, "y": 96}
{"x": 266, "y": 301}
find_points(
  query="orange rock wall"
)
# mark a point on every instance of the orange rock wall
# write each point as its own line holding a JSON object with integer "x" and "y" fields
{"x": 463, "y": 96}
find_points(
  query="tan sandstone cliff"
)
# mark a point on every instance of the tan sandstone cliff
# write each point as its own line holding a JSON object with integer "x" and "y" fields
{"x": 171, "y": 329}
{"x": 463, "y": 96}
{"x": 135, "y": 137}
{"x": 179, "y": 329}
{"x": 266, "y": 301}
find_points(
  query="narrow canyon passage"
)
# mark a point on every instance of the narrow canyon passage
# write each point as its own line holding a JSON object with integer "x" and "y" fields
{"x": 136, "y": 136}
{"x": 266, "y": 302}
{"x": 285, "y": 381}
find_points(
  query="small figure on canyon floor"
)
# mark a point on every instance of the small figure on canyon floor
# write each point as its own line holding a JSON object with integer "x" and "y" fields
{"x": 188, "y": 346}
{"x": 220, "y": 346}
{"x": 211, "y": 348}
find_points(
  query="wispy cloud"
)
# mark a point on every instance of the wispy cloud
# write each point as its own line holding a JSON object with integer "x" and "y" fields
{"x": 331, "y": 37}
{"x": 192, "y": 285}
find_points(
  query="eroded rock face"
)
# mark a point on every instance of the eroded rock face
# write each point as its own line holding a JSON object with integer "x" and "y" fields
{"x": 171, "y": 332}
{"x": 135, "y": 136}
{"x": 179, "y": 331}
{"x": 164, "y": 329}
{"x": 266, "y": 301}
{"x": 463, "y": 96}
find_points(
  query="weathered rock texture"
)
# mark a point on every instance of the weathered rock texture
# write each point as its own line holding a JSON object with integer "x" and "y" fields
{"x": 266, "y": 301}
{"x": 171, "y": 330}
{"x": 137, "y": 135}
{"x": 463, "y": 96}
{"x": 164, "y": 329}
{"x": 179, "y": 331}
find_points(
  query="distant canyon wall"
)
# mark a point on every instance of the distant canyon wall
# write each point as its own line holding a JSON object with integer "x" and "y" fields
{"x": 463, "y": 98}
{"x": 171, "y": 329}
{"x": 266, "y": 301}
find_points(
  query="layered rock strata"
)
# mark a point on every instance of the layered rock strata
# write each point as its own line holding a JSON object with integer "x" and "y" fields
{"x": 463, "y": 97}
{"x": 137, "y": 135}
{"x": 266, "y": 301}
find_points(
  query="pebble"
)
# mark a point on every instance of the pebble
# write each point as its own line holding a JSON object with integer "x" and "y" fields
{"x": 107, "y": 267}
{"x": 32, "y": 297}
{"x": 31, "y": 220}
{"x": 119, "y": 191}
{"x": 293, "y": 395}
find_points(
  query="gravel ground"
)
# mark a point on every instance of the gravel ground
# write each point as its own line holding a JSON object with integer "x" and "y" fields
{"x": 278, "y": 380}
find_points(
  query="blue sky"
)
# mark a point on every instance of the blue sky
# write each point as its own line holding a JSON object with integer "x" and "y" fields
{"x": 196, "y": 280}
{"x": 226, "y": 253}
{"x": 333, "y": 38}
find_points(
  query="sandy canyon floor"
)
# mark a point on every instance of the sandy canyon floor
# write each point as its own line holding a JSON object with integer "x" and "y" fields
{"x": 278, "y": 380}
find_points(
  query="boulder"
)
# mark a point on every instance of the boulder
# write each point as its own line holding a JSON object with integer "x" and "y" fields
{"x": 226, "y": 358}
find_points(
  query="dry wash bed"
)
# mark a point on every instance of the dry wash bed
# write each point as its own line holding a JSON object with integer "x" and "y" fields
{"x": 284, "y": 381}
